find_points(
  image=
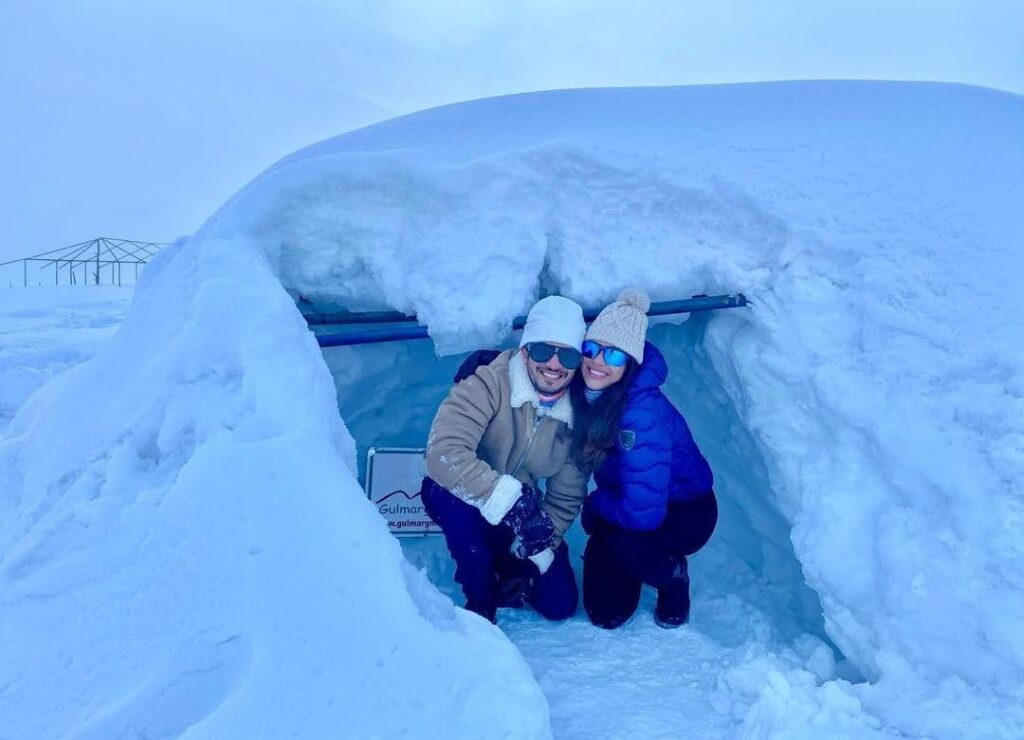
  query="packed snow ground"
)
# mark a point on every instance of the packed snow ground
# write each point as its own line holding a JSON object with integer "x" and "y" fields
{"x": 863, "y": 420}
{"x": 44, "y": 331}
{"x": 735, "y": 670}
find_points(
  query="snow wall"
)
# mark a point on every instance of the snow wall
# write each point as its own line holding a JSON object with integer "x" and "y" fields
{"x": 193, "y": 551}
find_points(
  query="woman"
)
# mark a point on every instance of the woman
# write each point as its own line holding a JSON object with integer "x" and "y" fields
{"x": 654, "y": 504}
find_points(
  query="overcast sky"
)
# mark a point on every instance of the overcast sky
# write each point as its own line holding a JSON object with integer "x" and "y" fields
{"x": 137, "y": 118}
{"x": 482, "y": 49}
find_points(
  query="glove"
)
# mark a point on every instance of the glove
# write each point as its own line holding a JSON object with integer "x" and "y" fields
{"x": 475, "y": 360}
{"x": 531, "y": 524}
{"x": 536, "y": 534}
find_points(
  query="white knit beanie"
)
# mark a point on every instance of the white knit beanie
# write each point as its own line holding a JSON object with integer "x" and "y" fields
{"x": 623, "y": 324}
{"x": 555, "y": 319}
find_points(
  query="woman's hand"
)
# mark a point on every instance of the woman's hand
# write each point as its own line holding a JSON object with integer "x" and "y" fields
{"x": 589, "y": 518}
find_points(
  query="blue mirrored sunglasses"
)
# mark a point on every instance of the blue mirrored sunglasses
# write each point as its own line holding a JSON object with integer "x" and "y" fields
{"x": 613, "y": 356}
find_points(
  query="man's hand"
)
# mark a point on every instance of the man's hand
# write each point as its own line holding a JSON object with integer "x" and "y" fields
{"x": 475, "y": 360}
{"x": 530, "y": 523}
{"x": 537, "y": 533}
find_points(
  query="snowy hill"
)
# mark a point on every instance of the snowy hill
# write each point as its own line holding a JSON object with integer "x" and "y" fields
{"x": 198, "y": 550}
{"x": 43, "y": 332}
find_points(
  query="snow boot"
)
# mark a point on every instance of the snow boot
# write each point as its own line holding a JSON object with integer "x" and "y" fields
{"x": 673, "y": 606}
{"x": 667, "y": 622}
{"x": 512, "y": 591}
{"x": 487, "y": 611}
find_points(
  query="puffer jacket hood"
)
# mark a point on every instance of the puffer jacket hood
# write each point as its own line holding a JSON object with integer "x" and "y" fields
{"x": 652, "y": 374}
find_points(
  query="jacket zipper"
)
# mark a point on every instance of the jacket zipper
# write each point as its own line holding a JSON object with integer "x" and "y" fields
{"x": 529, "y": 444}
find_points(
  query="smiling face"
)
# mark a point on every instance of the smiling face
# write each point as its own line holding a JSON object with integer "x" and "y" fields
{"x": 549, "y": 378}
{"x": 597, "y": 375}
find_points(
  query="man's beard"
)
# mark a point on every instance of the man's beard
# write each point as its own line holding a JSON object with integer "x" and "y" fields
{"x": 549, "y": 391}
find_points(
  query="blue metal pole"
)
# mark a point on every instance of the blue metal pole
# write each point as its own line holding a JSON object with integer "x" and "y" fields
{"x": 403, "y": 333}
{"x": 391, "y": 334}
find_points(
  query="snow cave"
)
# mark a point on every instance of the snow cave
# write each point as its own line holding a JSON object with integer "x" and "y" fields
{"x": 409, "y": 381}
{"x": 867, "y": 459}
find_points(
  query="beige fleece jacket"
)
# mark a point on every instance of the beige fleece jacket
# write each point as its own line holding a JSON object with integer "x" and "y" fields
{"x": 491, "y": 434}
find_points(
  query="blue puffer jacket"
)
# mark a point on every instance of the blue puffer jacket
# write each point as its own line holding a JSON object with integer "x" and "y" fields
{"x": 655, "y": 461}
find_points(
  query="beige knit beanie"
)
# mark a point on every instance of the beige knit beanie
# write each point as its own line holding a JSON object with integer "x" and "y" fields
{"x": 623, "y": 324}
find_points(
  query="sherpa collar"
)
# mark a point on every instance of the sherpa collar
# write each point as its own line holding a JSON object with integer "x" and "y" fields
{"x": 523, "y": 392}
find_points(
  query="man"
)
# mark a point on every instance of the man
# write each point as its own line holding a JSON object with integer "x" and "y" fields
{"x": 497, "y": 434}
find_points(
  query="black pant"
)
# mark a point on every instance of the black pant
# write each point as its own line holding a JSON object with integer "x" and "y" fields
{"x": 617, "y": 562}
{"x": 483, "y": 562}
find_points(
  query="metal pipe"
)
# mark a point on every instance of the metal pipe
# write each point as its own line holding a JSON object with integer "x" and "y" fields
{"x": 353, "y": 317}
{"x": 404, "y": 333}
{"x": 391, "y": 334}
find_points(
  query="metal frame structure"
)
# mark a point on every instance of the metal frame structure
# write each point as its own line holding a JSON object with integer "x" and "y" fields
{"x": 92, "y": 257}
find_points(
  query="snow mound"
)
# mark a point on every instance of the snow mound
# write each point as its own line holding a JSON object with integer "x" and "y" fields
{"x": 185, "y": 546}
{"x": 207, "y": 515}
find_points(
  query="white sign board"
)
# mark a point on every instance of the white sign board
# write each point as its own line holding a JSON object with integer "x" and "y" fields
{"x": 393, "y": 478}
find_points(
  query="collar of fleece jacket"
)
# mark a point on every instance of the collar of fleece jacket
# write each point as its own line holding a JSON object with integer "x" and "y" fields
{"x": 523, "y": 392}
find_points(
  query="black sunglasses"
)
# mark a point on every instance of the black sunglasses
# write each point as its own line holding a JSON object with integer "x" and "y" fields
{"x": 542, "y": 352}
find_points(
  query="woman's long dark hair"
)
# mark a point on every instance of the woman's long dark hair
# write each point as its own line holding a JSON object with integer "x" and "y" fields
{"x": 596, "y": 425}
